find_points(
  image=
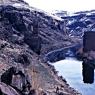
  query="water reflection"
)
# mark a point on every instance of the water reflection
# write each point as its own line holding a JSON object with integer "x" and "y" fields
{"x": 71, "y": 69}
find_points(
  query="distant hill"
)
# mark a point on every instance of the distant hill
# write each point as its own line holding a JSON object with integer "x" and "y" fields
{"x": 80, "y": 22}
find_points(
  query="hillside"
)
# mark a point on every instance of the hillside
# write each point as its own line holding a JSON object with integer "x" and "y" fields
{"x": 26, "y": 36}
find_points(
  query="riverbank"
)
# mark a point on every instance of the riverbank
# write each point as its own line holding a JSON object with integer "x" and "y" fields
{"x": 60, "y": 54}
{"x": 47, "y": 79}
{"x": 71, "y": 70}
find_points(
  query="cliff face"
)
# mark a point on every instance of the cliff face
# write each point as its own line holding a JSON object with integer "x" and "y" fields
{"x": 26, "y": 33}
{"x": 35, "y": 28}
{"x": 80, "y": 22}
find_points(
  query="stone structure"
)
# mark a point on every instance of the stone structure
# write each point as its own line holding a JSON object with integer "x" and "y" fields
{"x": 88, "y": 57}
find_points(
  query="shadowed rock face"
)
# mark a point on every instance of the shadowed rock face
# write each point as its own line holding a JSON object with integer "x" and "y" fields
{"x": 23, "y": 59}
{"x": 17, "y": 79}
{"x": 14, "y": 19}
{"x": 35, "y": 45}
{"x": 88, "y": 72}
{"x": 7, "y": 76}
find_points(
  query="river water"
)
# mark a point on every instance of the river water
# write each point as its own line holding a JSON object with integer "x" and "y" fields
{"x": 71, "y": 70}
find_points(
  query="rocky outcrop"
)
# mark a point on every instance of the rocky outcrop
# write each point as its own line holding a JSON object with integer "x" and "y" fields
{"x": 7, "y": 90}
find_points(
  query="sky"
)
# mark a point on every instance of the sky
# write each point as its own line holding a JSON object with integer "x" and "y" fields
{"x": 65, "y": 5}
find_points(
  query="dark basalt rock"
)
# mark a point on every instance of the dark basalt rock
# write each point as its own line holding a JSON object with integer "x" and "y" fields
{"x": 88, "y": 72}
{"x": 55, "y": 56}
{"x": 1, "y": 93}
{"x": 23, "y": 59}
{"x": 16, "y": 19}
{"x": 32, "y": 92}
{"x": 34, "y": 43}
{"x": 22, "y": 87}
{"x": 6, "y": 77}
{"x": 32, "y": 38}
{"x": 61, "y": 93}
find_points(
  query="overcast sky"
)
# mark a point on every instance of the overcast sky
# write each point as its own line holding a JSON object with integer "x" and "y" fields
{"x": 68, "y": 5}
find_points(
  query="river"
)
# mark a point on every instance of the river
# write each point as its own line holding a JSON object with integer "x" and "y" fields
{"x": 71, "y": 70}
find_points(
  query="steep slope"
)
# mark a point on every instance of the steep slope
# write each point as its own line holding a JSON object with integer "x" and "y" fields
{"x": 26, "y": 35}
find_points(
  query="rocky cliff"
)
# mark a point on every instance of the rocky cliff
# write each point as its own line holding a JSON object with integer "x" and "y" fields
{"x": 26, "y": 35}
{"x": 80, "y": 22}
